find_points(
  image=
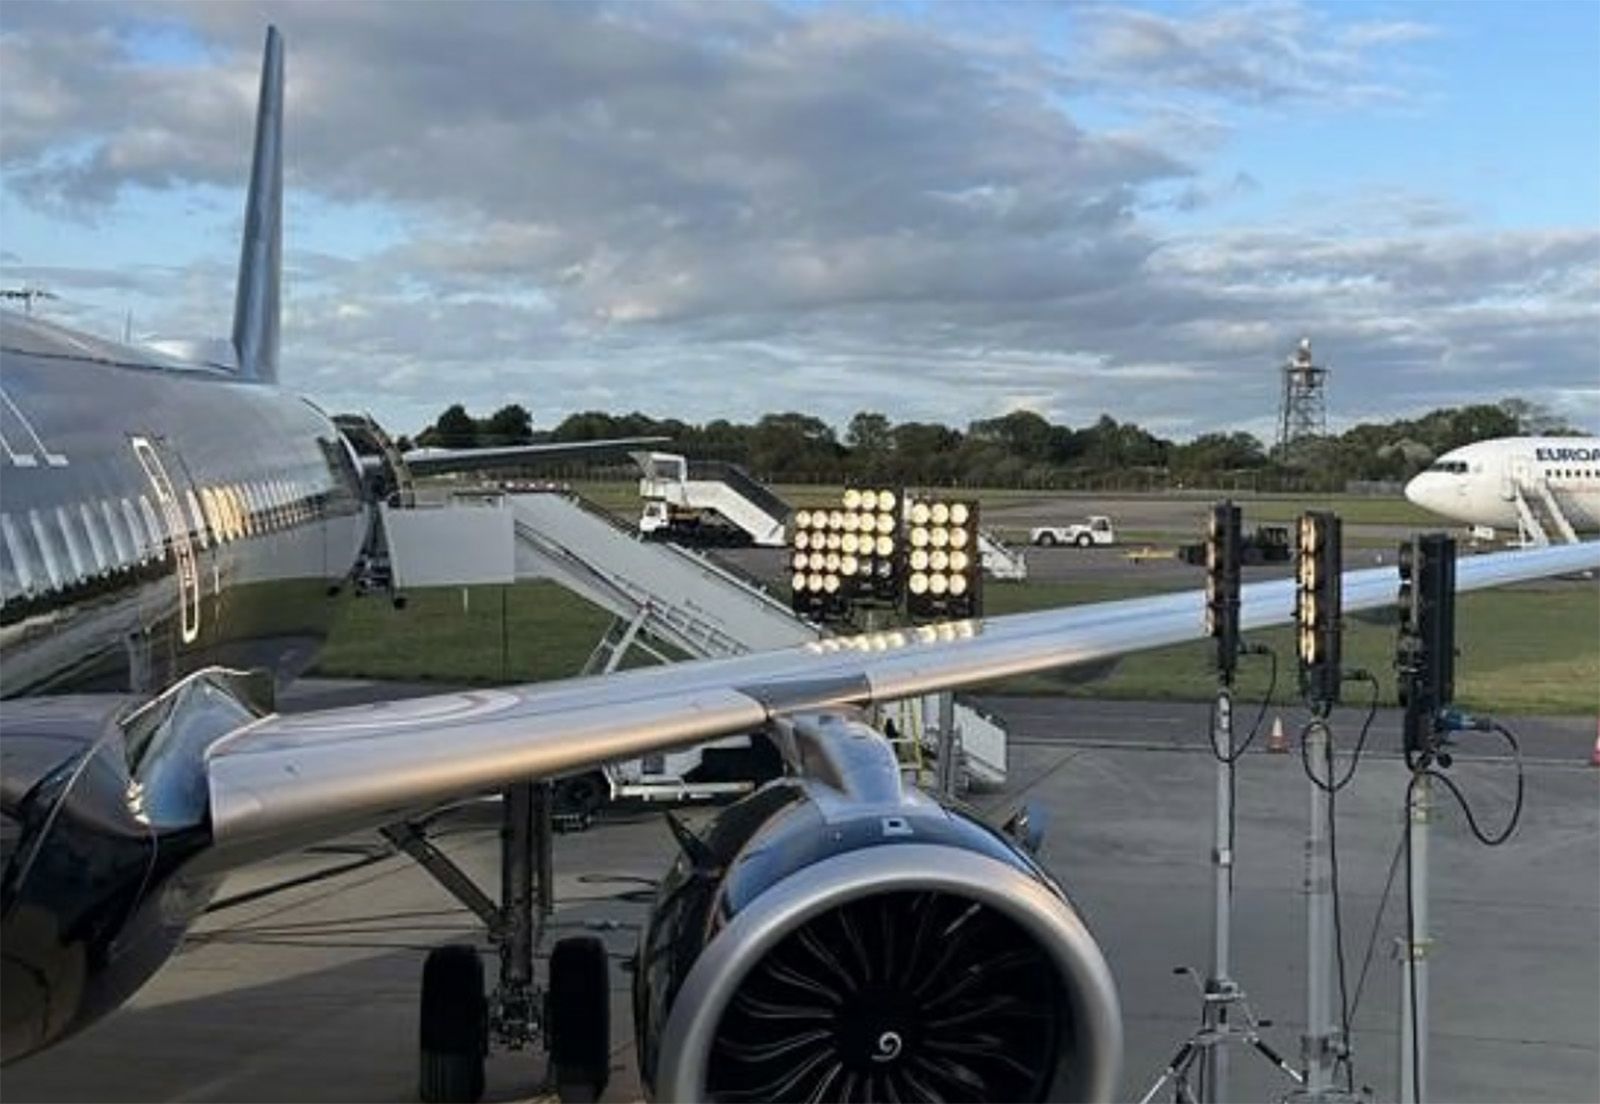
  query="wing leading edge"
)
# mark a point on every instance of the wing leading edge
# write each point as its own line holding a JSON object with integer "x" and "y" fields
{"x": 286, "y": 780}
{"x": 438, "y": 461}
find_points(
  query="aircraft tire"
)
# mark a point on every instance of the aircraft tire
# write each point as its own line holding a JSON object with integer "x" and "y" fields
{"x": 578, "y": 1018}
{"x": 581, "y": 796}
{"x": 454, "y": 1028}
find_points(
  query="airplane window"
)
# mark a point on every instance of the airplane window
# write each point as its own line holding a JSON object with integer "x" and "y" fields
{"x": 136, "y": 535}
{"x": 244, "y": 509}
{"x": 16, "y": 573}
{"x": 208, "y": 503}
{"x": 158, "y": 543}
{"x": 74, "y": 547}
{"x": 258, "y": 507}
{"x": 47, "y": 552}
{"x": 119, "y": 538}
{"x": 97, "y": 544}
{"x": 196, "y": 519}
{"x": 230, "y": 503}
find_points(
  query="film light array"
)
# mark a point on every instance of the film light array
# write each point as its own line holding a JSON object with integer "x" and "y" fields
{"x": 1318, "y": 616}
{"x": 945, "y": 576}
{"x": 883, "y": 549}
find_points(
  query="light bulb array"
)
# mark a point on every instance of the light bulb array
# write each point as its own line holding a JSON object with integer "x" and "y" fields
{"x": 944, "y": 572}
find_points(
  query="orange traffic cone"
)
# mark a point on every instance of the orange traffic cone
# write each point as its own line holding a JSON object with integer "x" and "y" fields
{"x": 1278, "y": 742}
{"x": 1594, "y": 756}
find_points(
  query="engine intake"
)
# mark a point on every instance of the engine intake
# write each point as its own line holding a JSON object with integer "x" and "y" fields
{"x": 842, "y": 938}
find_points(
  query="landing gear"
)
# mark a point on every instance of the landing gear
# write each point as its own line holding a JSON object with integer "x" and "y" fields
{"x": 454, "y": 1034}
{"x": 579, "y": 798}
{"x": 459, "y": 1021}
{"x": 578, "y": 1019}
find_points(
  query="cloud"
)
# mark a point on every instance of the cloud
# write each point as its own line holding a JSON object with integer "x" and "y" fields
{"x": 1261, "y": 53}
{"x": 718, "y": 210}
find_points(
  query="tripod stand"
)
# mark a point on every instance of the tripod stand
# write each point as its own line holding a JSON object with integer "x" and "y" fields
{"x": 1216, "y": 1030}
{"x": 1220, "y": 995}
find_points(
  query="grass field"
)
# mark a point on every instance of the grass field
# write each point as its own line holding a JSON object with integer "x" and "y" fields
{"x": 1533, "y": 649}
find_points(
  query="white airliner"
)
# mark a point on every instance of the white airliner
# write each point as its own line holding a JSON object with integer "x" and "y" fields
{"x": 1502, "y": 482}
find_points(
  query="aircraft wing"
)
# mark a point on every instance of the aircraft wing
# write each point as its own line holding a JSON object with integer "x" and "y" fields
{"x": 286, "y": 780}
{"x": 436, "y": 461}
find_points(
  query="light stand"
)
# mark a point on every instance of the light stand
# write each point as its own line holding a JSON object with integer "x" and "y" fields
{"x": 1220, "y": 995}
{"x": 1412, "y": 951}
{"x": 1319, "y": 631}
{"x": 1425, "y": 658}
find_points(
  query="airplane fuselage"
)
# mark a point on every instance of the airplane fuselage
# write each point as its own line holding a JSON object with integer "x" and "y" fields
{"x": 1477, "y": 483}
{"x": 154, "y": 521}
{"x": 158, "y": 520}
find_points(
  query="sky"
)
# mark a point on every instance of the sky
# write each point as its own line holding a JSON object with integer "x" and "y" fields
{"x": 937, "y": 211}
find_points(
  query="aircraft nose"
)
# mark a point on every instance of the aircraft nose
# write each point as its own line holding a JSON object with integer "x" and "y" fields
{"x": 1414, "y": 493}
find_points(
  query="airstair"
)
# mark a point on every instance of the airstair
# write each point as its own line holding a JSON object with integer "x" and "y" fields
{"x": 683, "y": 490}
{"x": 1538, "y": 512}
{"x": 1000, "y": 560}
{"x": 666, "y": 601}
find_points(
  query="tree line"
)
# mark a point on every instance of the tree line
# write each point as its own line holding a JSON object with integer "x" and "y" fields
{"x": 1023, "y": 449}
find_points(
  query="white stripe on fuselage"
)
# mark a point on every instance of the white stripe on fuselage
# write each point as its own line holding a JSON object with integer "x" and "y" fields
{"x": 1474, "y": 484}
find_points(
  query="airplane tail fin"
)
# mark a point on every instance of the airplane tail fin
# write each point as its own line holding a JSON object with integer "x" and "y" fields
{"x": 255, "y": 308}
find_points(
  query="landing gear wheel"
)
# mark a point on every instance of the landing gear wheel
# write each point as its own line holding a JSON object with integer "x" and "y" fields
{"x": 454, "y": 1034}
{"x": 578, "y": 1018}
{"x": 578, "y": 799}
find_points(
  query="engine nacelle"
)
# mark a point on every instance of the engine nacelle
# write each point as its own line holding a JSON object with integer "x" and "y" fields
{"x": 838, "y": 936}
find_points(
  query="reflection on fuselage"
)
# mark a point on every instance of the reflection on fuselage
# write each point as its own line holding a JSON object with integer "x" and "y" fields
{"x": 155, "y": 521}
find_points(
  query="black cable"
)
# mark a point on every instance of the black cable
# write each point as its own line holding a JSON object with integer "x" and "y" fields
{"x": 1333, "y": 886}
{"x": 1331, "y": 786}
{"x": 1411, "y": 950}
{"x": 1234, "y": 752}
{"x": 1516, "y": 808}
{"x": 1420, "y": 771}
{"x": 1377, "y": 922}
{"x": 1231, "y": 757}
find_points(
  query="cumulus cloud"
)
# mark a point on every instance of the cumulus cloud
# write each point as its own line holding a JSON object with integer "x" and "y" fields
{"x": 717, "y": 210}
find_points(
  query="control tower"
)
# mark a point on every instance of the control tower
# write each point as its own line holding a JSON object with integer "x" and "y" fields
{"x": 1303, "y": 413}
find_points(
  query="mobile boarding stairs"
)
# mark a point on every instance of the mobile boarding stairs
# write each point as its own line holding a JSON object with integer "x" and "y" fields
{"x": 666, "y": 601}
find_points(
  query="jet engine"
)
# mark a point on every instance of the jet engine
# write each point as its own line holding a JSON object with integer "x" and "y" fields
{"x": 837, "y": 936}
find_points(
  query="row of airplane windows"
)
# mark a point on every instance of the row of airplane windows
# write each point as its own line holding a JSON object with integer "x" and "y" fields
{"x": 52, "y": 548}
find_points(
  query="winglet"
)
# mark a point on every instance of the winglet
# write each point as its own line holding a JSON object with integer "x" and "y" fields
{"x": 255, "y": 307}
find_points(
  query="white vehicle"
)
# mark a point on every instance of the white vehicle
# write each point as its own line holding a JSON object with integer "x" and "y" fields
{"x": 706, "y": 502}
{"x": 1098, "y": 531}
{"x": 1545, "y": 488}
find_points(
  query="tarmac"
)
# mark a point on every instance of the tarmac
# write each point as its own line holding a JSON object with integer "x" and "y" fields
{"x": 309, "y": 993}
